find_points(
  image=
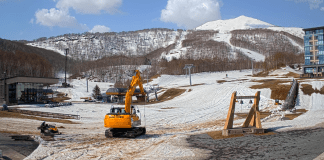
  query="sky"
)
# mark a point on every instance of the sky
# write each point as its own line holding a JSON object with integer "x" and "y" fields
{"x": 32, "y": 19}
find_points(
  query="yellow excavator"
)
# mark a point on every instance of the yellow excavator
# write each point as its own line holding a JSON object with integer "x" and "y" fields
{"x": 125, "y": 121}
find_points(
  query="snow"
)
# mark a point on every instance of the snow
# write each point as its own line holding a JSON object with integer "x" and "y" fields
{"x": 225, "y": 37}
{"x": 168, "y": 123}
{"x": 244, "y": 22}
{"x": 239, "y": 23}
{"x": 292, "y": 30}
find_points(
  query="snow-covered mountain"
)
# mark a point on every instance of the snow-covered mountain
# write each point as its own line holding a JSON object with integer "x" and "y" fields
{"x": 239, "y": 23}
{"x": 253, "y": 38}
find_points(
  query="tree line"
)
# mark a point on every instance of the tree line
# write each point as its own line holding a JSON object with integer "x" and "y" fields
{"x": 24, "y": 64}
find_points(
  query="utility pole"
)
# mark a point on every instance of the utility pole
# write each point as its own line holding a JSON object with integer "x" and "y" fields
{"x": 66, "y": 52}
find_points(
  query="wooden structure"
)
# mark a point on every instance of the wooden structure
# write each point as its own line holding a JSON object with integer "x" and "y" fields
{"x": 252, "y": 123}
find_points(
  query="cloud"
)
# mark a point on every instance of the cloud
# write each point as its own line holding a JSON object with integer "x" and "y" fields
{"x": 322, "y": 9}
{"x": 90, "y": 6}
{"x": 191, "y": 13}
{"x": 54, "y": 17}
{"x": 100, "y": 29}
{"x": 313, "y": 4}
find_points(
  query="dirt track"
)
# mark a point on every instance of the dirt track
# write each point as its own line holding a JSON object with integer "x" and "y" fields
{"x": 298, "y": 144}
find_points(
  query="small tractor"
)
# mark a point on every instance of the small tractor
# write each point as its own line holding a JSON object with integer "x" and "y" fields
{"x": 48, "y": 130}
{"x": 277, "y": 102}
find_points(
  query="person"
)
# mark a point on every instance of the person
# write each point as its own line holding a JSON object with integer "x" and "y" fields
{"x": 5, "y": 107}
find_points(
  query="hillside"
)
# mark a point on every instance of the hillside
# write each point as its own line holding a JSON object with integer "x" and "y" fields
{"x": 56, "y": 60}
{"x": 200, "y": 43}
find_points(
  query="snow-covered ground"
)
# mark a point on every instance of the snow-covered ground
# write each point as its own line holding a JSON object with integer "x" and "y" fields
{"x": 201, "y": 108}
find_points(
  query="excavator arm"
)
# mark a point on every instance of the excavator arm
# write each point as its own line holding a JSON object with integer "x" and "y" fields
{"x": 136, "y": 80}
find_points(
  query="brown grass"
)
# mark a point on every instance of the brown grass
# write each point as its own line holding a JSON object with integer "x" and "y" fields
{"x": 7, "y": 114}
{"x": 308, "y": 89}
{"x": 278, "y": 91}
{"x": 261, "y": 74}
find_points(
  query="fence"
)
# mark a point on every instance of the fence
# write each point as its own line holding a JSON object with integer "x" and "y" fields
{"x": 46, "y": 114}
{"x": 292, "y": 95}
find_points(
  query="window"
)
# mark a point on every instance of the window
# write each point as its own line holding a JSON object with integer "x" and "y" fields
{"x": 318, "y": 31}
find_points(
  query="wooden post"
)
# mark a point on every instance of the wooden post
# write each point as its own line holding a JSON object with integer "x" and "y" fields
{"x": 230, "y": 114}
{"x": 253, "y": 117}
{"x": 249, "y": 117}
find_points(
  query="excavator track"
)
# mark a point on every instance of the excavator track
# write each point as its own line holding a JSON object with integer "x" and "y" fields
{"x": 125, "y": 132}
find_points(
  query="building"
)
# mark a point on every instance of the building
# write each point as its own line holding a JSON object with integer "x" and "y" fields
{"x": 20, "y": 90}
{"x": 314, "y": 52}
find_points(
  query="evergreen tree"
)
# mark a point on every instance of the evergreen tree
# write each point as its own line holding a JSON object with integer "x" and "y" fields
{"x": 96, "y": 92}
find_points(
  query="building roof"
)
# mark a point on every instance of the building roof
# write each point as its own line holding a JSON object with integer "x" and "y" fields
{"x": 121, "y": 91}
{"x": 47, "y": 81}
{"x": 315, "y": 28}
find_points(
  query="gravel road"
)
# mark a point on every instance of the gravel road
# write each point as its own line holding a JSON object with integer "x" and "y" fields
{"x": 297, "y": 144}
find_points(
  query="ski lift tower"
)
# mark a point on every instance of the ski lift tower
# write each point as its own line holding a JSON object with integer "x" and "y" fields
{"x": 189, "y": 66}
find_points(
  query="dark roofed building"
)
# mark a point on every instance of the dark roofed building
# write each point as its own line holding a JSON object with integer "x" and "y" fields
{"x": 17, "y": 90}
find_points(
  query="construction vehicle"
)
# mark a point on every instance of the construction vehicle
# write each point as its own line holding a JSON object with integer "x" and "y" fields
{"x": 124, "y": 121}
{"x": 277, "y": 102}
{"x": 48, "y": 130}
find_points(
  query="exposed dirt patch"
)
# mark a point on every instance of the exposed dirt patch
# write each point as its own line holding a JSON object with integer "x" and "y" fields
{"x": 7, "y": 114}
{"x": 278, "y": 90}
{"x": 167, "y": 95}
{"x": 194, "y": 85}
{"x": 244, "y": 115}
{"x": 218, "y": 134}
{"x": 309, "y": 90}
{"x": 292, "y": 74}
{"x": 154, "y": 77}
{"x": 171, "y": 93}
{"x": 221, "y": 81}
{"x": 295, "y": 115}
{"x": 168, "y": 108}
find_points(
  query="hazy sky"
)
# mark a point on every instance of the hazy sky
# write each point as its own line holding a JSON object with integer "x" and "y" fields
{"x": 32, "y": 19}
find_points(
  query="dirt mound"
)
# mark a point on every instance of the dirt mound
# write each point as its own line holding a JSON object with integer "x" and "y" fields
{"x": 171, "y": 93}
